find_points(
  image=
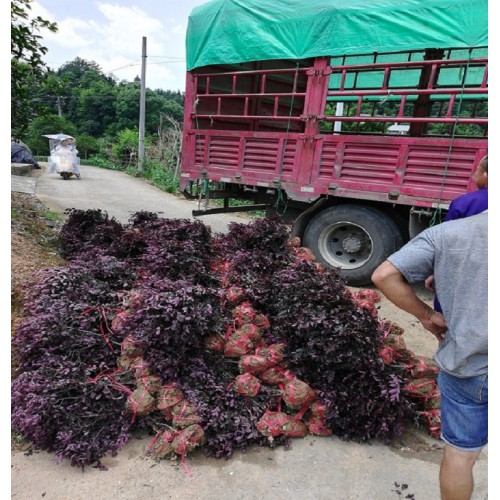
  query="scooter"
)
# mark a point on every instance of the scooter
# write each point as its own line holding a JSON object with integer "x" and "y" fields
{"x": 65, "y": 163}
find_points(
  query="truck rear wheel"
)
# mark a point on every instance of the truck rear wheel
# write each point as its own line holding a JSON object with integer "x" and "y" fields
{"x": 353, "y": 238}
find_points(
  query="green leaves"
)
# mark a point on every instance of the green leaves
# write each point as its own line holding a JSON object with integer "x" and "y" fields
{"x": 26, "y": 62}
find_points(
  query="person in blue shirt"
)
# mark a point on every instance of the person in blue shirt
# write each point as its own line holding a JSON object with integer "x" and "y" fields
{"x": 466, "y": 205}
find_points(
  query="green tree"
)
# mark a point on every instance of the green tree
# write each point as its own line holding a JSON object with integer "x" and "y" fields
{"x": 27, "y": 66}
{"x": 87, "y": 146}
{"x": 128, "y": 103}
{"x": 126, "y": 147}
{"x": 80, "y": 72}
{"x": 43, "y": 125}
{"x": 95, "y": 110}
{"x": 89, "y": 96}
{"x": 172, "y": 95}
{"x": 52, "y": 93}
{"x": 173, "y": 109}
{"x": 127, "y": 107}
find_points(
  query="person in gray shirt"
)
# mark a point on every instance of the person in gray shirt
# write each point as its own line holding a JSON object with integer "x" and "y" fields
{"x": 456, "y": 252}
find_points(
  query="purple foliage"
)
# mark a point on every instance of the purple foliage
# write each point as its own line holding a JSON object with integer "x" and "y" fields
{"x": 168, "y": 278}
{"x": 230, "y": 419}
{"x": 59, "y": 411}
{"x": 269, "y": 234}
{"x": 85, "y": 230}
{"x": 178, "y": 249}
{"x": 63, "y": 343}
{"x": 171, "y": 322}
{"x": 333, "y": 345}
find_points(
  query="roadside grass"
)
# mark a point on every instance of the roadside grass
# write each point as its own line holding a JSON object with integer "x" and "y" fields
{"x": 53, "y": 216}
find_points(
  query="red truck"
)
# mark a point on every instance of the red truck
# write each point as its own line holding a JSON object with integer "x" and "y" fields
{"x": 356, "y": 124}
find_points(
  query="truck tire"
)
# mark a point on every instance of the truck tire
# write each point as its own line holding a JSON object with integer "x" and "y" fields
{"x": 354, "y": 239}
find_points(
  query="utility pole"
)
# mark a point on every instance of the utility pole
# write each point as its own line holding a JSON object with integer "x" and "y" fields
{"x": 142, "y": 109}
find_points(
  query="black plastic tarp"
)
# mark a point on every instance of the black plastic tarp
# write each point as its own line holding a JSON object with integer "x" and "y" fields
{"x": 20, "y": 153}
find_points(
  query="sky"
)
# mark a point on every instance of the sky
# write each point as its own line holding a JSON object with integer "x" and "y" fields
{"x": 110, "y": 34}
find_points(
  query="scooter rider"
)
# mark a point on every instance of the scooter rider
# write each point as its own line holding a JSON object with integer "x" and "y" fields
{"x": 67, "y": 147}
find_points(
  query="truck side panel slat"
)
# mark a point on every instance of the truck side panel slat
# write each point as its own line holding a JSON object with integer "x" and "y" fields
{"x": 260, "y": 155}
{"x": 430, "y": 169}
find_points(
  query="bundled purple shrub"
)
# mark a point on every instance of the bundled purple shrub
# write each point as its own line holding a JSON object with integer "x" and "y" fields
{"x": 85, "y": 230}
{"x": 253, "y": 253}
{"x": 58, "y": 410}
{"x": 333, "y": 345}
{"x": 269, "y": 234}
{"x": 171, "y": 322}
{"x": 68, "y": 310}
{"x": 165, "y": 280}
{"x": 64, "y": 343}
{"x": 178, "y": 249}
{"x": 230, "y": 419}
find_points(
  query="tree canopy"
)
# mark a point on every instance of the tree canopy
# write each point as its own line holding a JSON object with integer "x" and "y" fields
{"x": 98, "y": 105}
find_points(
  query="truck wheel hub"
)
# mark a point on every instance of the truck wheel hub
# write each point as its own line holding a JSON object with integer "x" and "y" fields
{"x": 351, "y": 245}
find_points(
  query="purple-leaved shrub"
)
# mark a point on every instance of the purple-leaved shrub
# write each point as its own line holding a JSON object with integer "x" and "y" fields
{"x": 160, "y": 284}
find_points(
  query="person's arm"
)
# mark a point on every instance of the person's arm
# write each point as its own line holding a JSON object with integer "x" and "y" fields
{"x": 388, "y": 279}
{"x": 429, "y": 283}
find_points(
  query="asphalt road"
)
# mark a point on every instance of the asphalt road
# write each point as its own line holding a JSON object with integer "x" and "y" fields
{"x": 319, "y": 468}
{"x": 120, "y": 195}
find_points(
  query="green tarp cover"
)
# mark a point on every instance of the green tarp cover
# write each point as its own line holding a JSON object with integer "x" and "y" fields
{"x": 232, "y": 31}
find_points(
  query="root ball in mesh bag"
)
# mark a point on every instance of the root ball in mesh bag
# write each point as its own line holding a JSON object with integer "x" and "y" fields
{"x": 294, "y": 429}
{"x": 215, "y": 343}
{"x": 168, "y": 396}
{"x": 184, "y": 415}
{"x": 275, "y": 353}
{"x": 140, "y": 402}
{"x": 272, "y": 422}
{"x": 253, "y": 332}
{"x": 247, "y": 384}
{"x": 235, "y": 295}
{"x": 188, "y": 439}
{"x": 244, "y": 313}
{"x": 238, "y": 344}
{"x": 150, "y": 382}
{"x": 316, "y": 425}
{"x": 161, "y": 445}
{"x": 251, "y": 363}
{"x": 297, "y": 394}
{"x": 130, "y": 348}
{"x": 273, "y": 376}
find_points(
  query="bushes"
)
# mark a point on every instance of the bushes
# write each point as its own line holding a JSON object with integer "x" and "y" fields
{"x": 145, "y": 299}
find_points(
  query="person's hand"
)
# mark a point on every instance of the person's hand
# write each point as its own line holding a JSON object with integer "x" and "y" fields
{"x": 435, "y": 323}
{"x": 429, "y": 283}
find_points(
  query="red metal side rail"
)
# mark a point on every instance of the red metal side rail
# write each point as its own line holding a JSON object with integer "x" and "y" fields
{"x": 412, "y": 170}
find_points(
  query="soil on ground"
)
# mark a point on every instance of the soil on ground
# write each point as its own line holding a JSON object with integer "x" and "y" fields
{"x": 33, "y": 246}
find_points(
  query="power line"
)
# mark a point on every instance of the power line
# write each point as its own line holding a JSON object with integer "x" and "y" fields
{"x": 135, "y": 63}
{"x": 54, "y": 97}
{"x": 149, "y": 64}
